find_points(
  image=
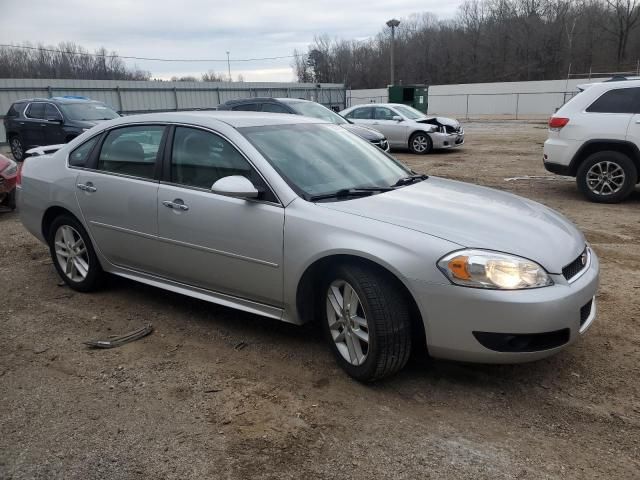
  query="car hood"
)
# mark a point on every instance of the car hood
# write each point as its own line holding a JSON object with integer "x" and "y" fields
{"x": 475, "y": 217}
{"x": 450, "y": 122}
{"x": 364, "y": 132}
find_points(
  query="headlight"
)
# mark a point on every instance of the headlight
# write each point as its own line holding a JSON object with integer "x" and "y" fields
{"x": 10, "y": 169}
{"x": 486, "y": 269}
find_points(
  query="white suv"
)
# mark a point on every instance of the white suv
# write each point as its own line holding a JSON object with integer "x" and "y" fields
{"x": 595, "y": 137}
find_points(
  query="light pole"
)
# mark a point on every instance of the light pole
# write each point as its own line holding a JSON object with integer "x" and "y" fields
{"x": 229, "y": 67}
{"x": 393, "y": 23}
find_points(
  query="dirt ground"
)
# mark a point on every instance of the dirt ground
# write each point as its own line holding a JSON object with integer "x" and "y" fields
{"x": 188, "y": 402}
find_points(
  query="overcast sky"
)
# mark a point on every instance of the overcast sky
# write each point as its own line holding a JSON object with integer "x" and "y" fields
{"x": 205, "y": 28}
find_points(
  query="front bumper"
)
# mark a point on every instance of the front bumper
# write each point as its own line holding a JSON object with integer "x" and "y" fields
{"x": 447, "y": 140}
{"x": 453, "y": 316}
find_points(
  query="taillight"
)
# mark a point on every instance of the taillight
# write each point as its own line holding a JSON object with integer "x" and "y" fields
{"x": 556, "y": 123}
{"x": 19, "y": 175}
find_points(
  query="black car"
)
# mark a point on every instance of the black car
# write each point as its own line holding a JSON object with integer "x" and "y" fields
{"x": 305, "y": 107}
{"x": 50, "y": 121}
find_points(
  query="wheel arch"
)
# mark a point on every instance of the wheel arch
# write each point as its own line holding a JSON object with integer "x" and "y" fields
{"x": 590, "y": 147}
{"x": 307, "y": 289}
{"x": 50, "y": 215}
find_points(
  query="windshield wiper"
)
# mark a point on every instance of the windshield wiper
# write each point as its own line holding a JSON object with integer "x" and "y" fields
{"x": 350, "y": 192}
{"x": 409, "y": 179}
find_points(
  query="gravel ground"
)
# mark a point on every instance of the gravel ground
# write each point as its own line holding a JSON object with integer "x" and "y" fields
{"x": 188, "y": 402}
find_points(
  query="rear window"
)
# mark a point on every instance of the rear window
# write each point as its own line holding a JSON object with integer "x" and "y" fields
{"x": 80, "y": 155}
{"x": 620, "y": 100}
{"x": 16, "y": 109}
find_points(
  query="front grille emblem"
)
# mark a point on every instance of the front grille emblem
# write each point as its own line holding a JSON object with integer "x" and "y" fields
{"x": 583, "y": 259}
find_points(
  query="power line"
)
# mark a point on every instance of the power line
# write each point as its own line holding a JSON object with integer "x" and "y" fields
{"x": 129, "y": 57}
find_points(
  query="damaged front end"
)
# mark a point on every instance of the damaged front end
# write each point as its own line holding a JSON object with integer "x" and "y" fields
{"x": 448, "y": 134}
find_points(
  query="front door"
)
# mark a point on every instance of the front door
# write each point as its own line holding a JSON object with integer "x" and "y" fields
{"x": 118, "y": 196}
{"x": 53, "y": 132}
{"x": 395, "y": 131}
{"x": 228, "y": 245}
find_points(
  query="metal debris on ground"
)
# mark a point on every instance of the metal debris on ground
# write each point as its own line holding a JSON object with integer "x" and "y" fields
{"x": 554, "y": 178}
{"x": 118, "y": 340}
{"x": 241, "y": 345}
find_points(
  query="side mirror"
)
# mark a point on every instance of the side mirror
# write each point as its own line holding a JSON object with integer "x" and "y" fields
{"x": 397, "y": 118}
{"x": 235, "y": 186}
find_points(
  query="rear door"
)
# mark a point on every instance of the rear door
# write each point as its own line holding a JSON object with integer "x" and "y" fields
{"x": 118, "y": 191}
{"x": 361, "y": 116}
{"x": 609, "y": 116}
{"x": 33, "y": 125}
{"x": 219, "y": 243}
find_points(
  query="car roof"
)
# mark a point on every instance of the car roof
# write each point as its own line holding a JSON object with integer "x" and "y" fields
{"x": 234, "y": 119}
{"x": 239, "y": 101}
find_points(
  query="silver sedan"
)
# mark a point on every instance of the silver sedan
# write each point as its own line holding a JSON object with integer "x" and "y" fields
{"x": 406, "y": 127}
{"x": 299, "y": 220}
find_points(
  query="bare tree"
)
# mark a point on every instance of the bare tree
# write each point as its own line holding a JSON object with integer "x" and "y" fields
{"x": 624, "y": 15}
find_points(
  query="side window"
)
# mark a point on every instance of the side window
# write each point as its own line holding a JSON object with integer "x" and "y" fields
{"x": 131, "y": 150}
{"x": 363, "y": 113}
{"x": 200, "y": 158}
{"x": 273, "y": 108}
{"x": 246, "y": 107}
{"x": 36, "y": 110}
{"x": 51, "y": 112}
{"x": 620, "y": 100}
{"x": 80, "y": 155}
{"x": 384, "y": 113}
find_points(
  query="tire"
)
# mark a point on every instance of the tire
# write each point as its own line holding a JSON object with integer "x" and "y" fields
{"x": 420, "y": 143}
{"x": 72, "y": 273}
{"x": 382, "y": 315}
{"x": 607, "y": 177}
{"x": 17, "y": 148}
{"x": 11, "y": 199}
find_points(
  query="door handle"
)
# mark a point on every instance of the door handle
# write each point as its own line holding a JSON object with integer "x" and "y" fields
{"x": 87, "y": 187}
{"x": 176, "y": 204}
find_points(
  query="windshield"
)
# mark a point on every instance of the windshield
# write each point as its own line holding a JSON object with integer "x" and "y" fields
{"x": 88, "y": 111}
{"x": 409, "y": 112}
{"x": 315, "y": 110}
{"x": 318, "y": 159}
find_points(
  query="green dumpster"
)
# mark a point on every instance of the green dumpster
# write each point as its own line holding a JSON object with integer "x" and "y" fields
{"x": 412, "y": 95}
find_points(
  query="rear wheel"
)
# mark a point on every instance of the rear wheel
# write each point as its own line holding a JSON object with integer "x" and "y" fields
{"x": 607, "y": 177}
{"x": 366, "y": 321}
{"x": 73, "y": 255}
{"x": 17, "y": 149}
{"x": 420, "y": 143}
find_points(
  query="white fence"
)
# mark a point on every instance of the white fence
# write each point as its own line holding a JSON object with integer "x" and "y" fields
{"x": 129, "y": 97}
{"x": 508, "y": 100}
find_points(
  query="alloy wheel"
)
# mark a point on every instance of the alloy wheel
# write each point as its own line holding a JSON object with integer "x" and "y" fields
{"x": 71, "y": 253}
{"x": 347, "y": 322}
{"x": 420, "y": 143}
{"x": 16, "y": 148}
{"x": 605, "y": 178}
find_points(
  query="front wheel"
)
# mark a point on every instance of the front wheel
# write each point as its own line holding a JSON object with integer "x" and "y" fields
{"x": 607, "y": 177}
{"x": 420, "y": 143}
{"x": 366, "y": 321}
{"x": 73, "y": 255}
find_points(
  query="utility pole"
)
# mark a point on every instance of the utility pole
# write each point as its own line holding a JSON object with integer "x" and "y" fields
{"x": 229, "y": 67}
{"x": 393, "y": 23}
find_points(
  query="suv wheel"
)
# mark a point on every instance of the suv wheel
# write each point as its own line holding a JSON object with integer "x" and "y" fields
{"x": 420, "y": 143}
{"x": 607, "y": 177}
{"x": 366, "y": 321}
{"x": 17, "y": 150}
{"x": 73, "y": 255}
